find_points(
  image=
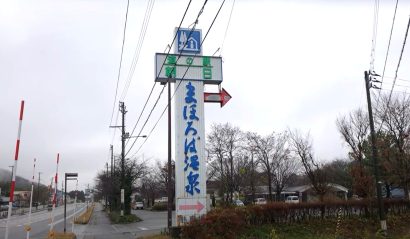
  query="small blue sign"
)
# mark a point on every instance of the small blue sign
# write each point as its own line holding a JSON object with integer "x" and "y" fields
{"x": 189, "y": 41}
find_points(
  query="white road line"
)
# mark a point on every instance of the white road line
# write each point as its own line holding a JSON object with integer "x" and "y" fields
{"x": 143, "y": 228}
{"x": 116, "y": 230}
{"x": 70, "y": 216}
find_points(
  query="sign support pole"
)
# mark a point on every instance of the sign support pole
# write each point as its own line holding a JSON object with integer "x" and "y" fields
{"x": 169, "y": 206}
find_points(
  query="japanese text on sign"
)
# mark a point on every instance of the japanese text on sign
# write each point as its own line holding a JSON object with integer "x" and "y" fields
{"x": 191, "y": 157}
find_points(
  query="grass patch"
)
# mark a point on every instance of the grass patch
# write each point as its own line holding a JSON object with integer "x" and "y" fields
{"x": 116, "y": 218}
{"x": 155, "y": 237}
{"x": 353, "y": 228}
{"x": 85, "y": 217}
{"x": 159, "y": 207}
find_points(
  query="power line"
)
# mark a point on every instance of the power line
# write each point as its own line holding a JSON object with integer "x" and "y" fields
{"x": 137, "y": 52}
{"x": 201, "y": 43}
{"x": 401, "y": 55}
{"x": 387, "y": 52}
{"x": 374, "y": 37}
{"x": 138, "y": 120}
{"x": 395, "y": 76}
{"x": 149, "y": 115}
{"x": 169, "y": 49}
{"x": 119, "y": 69}
{"x": 227, "y": 27}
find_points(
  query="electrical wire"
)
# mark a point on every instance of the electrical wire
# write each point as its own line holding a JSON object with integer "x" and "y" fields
{"x": 227, "y": 27}
{"x": 169, "y": 49}
{"x": 140, "y": 43}
{"x": 401, "y": 55}
{"x": 387, "y": 52}
{"x": 397, "y": 70}
{"x": 145, "y": 105}
{"x": 166, "y": 107}
{"x": 374, "y": 37}
{"x": 119, "y": 68}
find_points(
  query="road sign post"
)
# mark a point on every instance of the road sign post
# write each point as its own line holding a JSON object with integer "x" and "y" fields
{"x": 122, "y": 202}
{"x": 190, "y": 70}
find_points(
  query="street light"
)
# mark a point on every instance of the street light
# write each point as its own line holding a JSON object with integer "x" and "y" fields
{"x": 68, "y": 176}
{"x": 127, "y": 136}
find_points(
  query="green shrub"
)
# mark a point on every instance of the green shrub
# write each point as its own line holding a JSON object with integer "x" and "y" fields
{"x": 219, "y": 223}
{"x": 116, "y": 218}
{"x": 159, "y": 207}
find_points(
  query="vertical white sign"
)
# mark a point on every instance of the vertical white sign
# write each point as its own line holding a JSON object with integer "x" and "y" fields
{"x": 190, "y": 168}
{"x": 122, "y": 195}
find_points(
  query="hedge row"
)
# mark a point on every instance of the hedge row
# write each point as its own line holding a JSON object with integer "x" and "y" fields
{"x": 85, "y": 217}
{"x": 228, "y": 222}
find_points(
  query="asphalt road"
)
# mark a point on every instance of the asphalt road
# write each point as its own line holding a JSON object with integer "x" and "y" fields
{"x": 40, "y": 223}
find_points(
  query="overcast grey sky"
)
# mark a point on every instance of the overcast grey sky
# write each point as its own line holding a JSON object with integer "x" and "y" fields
{"x": 296, "y": 64}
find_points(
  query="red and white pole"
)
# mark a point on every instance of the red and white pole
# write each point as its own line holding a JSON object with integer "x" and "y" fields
{"x": 55, "y": 194}
{"x": 28, "y": 226}
{"x": 13, "y": 181}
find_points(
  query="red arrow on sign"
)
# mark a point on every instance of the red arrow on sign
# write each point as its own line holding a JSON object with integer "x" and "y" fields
{"x": 198, "y": 207}
{"x": 222, "y": 97}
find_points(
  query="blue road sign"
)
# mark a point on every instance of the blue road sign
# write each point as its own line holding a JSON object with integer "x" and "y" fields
{"x": 189, "y": 41}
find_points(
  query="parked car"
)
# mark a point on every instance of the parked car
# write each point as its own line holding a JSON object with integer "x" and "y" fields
{"x": 138, "y": 205}
{"x": 161, "y": 200}
{"x": 260, "y": 201}
{"x": 292, "y": 199}
{"x": 238, "y": 203}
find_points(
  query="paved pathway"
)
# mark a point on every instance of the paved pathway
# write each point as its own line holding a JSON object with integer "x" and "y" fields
{"x": 100, "y": 227}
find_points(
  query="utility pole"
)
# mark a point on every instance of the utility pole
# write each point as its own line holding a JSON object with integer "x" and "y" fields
{"x": 38, "y": 190}
{"x": 169, "y": 204}
{"x": 106, "y": 193}
{"x": 112, "y": 159}
{"x": 123, "y": 137}
{"x": 382, "y": 215}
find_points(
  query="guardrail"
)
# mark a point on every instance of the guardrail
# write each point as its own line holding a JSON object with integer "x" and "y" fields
{"x": 21, "y": 211}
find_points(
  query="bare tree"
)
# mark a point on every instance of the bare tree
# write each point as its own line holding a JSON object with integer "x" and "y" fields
{"x": 223, "y": 146}
{"x": 302, "y": 147}
{"x": 355, "y": 131}
{"x": 272, "y": 152}
{"x": 393, "y": 115}
{"x": 283, "y": 169}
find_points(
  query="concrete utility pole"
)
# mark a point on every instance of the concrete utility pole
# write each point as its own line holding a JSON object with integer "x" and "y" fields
{"x": 123, "y": 137}
{"x": 382, "y": 215}
{"x": 112, "y": 159}
{"x": 106, "y": 193}
{"x": 38, "y": 190}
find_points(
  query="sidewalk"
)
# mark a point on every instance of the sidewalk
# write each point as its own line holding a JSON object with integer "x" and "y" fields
{"x": 100, "y": 227}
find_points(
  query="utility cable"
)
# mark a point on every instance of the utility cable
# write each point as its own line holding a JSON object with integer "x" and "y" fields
{"x": 227, "y": 27}
{"x": 387, "y": 52}
{"x": 374, "y": 37}
{"x": 169, "y": 49}
{"x": 166, "y": 107}
{"x": 119, "y": 68}
{"x": 140, "y": 43}
{"x": 401, "y": 55}
{"x": 396, "y": 73}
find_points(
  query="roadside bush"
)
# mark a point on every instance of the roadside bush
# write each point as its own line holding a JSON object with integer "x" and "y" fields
{"x": 228, "y": 222}
{"x": 116, "y": 218}
{"x": 219, "y": 223}
{"x": 85, "y": 217}
{"x": 159, "y": 207}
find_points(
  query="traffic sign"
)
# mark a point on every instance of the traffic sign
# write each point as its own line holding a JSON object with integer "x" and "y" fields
{"x": 222, "y": 97}
{"x": 197, "y": 207}
{"x": 189, "y": 41}
{"x": 207, "y": 69}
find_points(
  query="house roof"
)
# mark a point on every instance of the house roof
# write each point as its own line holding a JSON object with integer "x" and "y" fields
{"x": 303, "y": 188}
